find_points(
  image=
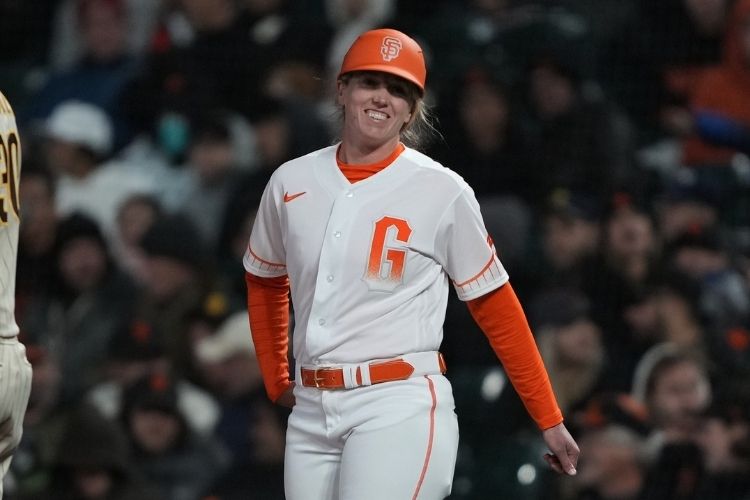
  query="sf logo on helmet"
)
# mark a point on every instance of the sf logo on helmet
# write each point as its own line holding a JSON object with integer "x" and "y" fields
{"x": 390, "y": 48}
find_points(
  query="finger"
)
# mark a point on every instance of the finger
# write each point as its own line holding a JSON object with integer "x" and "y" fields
{"x": 553, "y": 462}
{"x": 566, "y": 463}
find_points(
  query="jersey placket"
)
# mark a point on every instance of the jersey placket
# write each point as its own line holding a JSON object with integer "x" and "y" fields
{"x": 322, "y": 320}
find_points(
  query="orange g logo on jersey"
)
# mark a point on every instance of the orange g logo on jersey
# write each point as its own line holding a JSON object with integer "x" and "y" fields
{"x": 391, "y": 48}
{"x": 385, "y": 266}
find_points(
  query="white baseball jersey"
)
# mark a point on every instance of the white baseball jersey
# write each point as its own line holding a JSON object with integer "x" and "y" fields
{"x": 15, "y": 370}
{"x": 10, "y": 172}
{"x": 369, "y": 262}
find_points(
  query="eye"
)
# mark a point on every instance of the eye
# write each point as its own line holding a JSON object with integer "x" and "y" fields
{"x": 369, "y": 81}
{"x": 398, "y": 90}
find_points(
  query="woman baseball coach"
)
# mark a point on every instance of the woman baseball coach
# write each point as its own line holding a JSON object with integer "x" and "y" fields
{"x": 368, "y": 234}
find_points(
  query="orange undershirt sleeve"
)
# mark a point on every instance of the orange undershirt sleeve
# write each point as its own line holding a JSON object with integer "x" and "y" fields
{"x": 500, "y": 316}
{"x": 268, "y": 308}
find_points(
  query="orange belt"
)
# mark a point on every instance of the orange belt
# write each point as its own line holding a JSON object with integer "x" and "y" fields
{"x": 335, "y": 377}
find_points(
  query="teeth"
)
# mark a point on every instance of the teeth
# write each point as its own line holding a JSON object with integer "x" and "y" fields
{"x": 377, "y": 115}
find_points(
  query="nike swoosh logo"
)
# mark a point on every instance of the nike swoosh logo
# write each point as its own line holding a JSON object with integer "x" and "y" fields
{"x": 289, "y": 197}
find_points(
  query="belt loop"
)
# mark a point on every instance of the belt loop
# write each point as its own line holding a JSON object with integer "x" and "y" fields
{"x": 349, "y": 373}
{"x": 364, "y": 372}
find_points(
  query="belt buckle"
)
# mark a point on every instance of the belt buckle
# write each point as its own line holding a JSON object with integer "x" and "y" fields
{"x": 317, "y": 379}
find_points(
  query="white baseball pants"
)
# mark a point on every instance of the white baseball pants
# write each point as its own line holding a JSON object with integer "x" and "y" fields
{"x": 15, "y": 387}
{"x": 395, "y": 440}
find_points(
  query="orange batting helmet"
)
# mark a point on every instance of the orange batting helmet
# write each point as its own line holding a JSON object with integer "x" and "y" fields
{"x": 389, "y": 51}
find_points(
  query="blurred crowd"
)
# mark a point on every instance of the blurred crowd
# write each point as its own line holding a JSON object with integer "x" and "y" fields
{"x": 607, "y": 142}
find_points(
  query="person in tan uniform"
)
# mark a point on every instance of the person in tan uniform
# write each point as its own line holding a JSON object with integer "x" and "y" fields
{"x": 15, "y": 369}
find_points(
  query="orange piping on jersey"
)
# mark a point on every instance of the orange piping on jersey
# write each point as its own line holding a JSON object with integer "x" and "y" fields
{"x": 479, "y": 274}
{"x": 500, "y": 316}
{"x": 268, "y": 308}
{"x": 356, "y": 173}
{"x": 428, "y": 454}
{"x": 268, "y": 263}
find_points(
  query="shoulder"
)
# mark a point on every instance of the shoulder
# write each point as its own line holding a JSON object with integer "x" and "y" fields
{"x": 432, "y": 171}
{"x": 301, "y": 164}
{"x": 7, "y": 117}
{"x": 5, "y": 107}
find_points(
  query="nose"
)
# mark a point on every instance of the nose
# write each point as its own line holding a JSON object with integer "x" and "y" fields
{"x": 379, "y": 95}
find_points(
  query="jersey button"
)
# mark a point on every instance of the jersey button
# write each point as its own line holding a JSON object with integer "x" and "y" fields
{"x": 337, "y": 234}
{"x": 329, "y": 278}
{"x": 321, "y": 322}
{"x": 349, "y": 194}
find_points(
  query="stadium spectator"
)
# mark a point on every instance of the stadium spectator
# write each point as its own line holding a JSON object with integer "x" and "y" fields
{"x": 720, "y": 100}
{"x": 724, "y": 440}
{"x": 179, "y": 272}
{"x": 87, "y": 303}
{"x": 94, "y": 462}
{"x": 179, "y": 462}
{"x": 249, "y": 426}
{"x": 652, "y": 65}
{"x": 570, "y": 344}
{"x": 37, "y": 233}
{"x": 78, "y": 141}
{"x": 135, "y": 352}
{"x": 98, "y": 75}
{"x": 614, "y": 467}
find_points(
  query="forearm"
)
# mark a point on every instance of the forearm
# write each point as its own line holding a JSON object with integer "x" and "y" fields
{"x": 500, "y": 316}
{"x": 268, "y": 308}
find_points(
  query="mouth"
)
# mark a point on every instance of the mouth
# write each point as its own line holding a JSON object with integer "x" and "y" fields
{"x": 377, "y": 116}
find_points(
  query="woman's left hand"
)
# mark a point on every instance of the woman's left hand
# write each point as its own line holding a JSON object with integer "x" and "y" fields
{"x": 564, "y": 450}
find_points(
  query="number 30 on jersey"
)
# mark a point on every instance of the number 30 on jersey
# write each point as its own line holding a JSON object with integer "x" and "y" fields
{"x": 9, "y": 161}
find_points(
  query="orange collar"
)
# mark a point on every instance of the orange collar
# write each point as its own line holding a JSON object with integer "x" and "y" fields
{"x": 356, "y": 173}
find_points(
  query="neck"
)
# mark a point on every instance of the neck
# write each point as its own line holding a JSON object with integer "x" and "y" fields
{"x": 365, "y": 154}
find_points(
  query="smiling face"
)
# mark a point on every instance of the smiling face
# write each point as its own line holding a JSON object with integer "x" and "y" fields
{"x": 376, "y": 108}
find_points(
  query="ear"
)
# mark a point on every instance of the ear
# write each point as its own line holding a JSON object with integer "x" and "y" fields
{"x": 340, "y": 86}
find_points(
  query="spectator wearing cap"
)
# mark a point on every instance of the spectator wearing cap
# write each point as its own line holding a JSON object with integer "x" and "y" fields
{"x": 178, "y": 279}
{"x": 78, "y": 140}
{"x": 88, "y": 302}
{"x": 571, "y": 231}
{"x": 226, "y": 358}
{"x": 704, "y": 256}
{"x": 133, "y": 353}
{"x": 570, "y": 344}
{"x": 620, "y": 281}
{"x": 688, "y": 201}
{"x": 251, "y": 428}
{"x": 179, "y": 462}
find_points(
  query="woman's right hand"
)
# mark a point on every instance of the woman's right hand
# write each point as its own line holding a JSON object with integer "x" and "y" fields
{"x": 287, "y": 397}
